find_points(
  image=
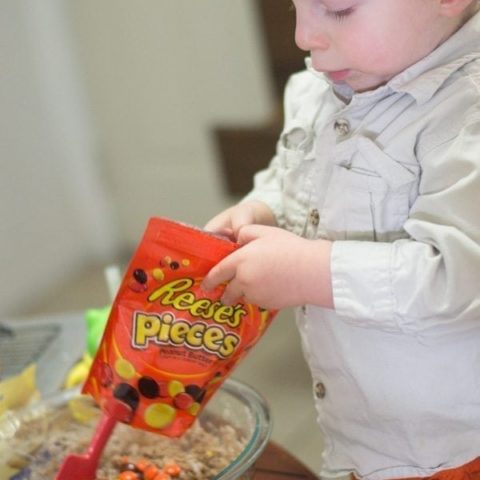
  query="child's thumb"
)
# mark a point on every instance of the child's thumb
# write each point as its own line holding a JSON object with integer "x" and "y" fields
{"x": 248, "y": 233}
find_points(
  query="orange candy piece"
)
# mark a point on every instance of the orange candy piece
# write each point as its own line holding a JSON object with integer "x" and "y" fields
{"x": 142, "y": 464}
{"x": 150, "y": 472}
{"x": 172, "y": 469}
{"x": 128, "y": 475}
{"x": 162, "y": 476}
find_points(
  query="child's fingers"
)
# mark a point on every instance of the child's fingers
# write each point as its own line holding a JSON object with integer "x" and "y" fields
{"x": 232, "y": 293}
{"x": 217, "y": 223}
{"x": 227, "y": 233}
{"x": 241, "y": 219}
{"x": 249, "y": 233}
{"x": 220, "y": 273}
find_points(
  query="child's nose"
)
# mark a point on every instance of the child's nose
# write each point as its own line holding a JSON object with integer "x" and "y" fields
{"x": 310, "y": 37}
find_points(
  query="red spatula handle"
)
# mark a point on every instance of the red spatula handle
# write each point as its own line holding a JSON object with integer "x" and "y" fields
{"x": 102, "y": 433}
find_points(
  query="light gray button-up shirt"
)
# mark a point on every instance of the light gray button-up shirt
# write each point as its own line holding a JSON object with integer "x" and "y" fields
{"x": 392, "y": 176}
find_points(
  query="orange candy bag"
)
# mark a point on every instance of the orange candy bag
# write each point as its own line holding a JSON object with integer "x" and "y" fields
{"x": 168, "y": 345}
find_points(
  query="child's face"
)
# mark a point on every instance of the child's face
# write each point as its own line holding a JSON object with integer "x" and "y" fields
{"x": 365, "y": 43}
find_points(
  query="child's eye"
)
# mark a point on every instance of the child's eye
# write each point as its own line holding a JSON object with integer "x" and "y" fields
{"x": 340, "y": 14}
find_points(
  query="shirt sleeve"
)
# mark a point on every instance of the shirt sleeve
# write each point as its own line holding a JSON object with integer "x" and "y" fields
{"x": 268, "y": 183}
{"x": 430, "y": 282}
{"x": 266, "y": 188}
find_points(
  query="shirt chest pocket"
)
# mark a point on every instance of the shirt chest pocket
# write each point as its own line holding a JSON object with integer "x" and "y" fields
{"x": 369, "y": 194}
{"x": 295, "y": 152}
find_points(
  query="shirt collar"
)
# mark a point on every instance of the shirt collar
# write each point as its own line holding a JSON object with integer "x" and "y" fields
{"x": 423, "y": 79}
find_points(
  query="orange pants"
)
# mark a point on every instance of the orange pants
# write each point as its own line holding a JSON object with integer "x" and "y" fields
{"x": 469, "y": 471}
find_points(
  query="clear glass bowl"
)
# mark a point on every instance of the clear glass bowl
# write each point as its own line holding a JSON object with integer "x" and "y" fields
{"x": 234, "y": 403}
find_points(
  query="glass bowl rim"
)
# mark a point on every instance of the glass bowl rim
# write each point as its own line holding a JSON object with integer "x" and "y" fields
{"x": 260, "y": 435}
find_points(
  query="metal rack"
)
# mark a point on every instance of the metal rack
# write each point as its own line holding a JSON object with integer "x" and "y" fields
{"x": 21, "y": 345}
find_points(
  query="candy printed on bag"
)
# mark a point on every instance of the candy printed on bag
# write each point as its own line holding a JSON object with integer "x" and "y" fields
{"x": 168, "y": 345}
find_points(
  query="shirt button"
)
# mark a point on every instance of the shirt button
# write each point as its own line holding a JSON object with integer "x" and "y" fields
{"x": 314, "y": 217}
{"x": 342, "y": 127}
{"x": 320, "y": 390}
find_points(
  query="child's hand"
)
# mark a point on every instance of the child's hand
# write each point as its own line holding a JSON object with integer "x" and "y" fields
{"x": 231, "y": 220}
{"x": 274, "y": 269}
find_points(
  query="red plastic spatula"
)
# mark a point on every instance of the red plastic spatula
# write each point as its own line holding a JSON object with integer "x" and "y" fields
{"x": 84, "y": 467}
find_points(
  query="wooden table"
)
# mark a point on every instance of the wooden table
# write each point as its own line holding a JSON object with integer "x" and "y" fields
{"x": 277, "y": 463}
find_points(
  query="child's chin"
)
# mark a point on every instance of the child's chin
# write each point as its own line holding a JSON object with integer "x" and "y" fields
{"x": 361, "y": 83}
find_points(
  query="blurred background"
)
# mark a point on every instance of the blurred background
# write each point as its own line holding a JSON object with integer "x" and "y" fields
{"x": 115, "y": 111}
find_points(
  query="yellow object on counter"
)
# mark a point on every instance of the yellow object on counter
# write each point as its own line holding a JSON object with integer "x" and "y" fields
{"x": 78, "y": 373}
{"x": 82, "y": 408}
{"x": 18, "y": 391}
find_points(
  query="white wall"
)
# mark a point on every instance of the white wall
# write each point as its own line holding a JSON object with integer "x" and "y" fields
{"x": 53, "y": 211}
{"x": 160, "y": 74}
{"x": 106, "y": 116}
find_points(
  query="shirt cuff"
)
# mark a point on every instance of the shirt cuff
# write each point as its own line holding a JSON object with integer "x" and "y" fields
{"x": 362, "y": 284}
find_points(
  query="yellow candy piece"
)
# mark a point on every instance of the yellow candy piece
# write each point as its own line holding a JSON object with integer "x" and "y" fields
{"x": 175, "y": 387}
{"x": 158, "y": 274}
{"x": 82, "y": 409}
{"x": 159, "y": 415}
{"x": 215, "y": 379}
{"x": 8, "y": 472}
{"x": 194, "y": 409}
{"x": 124, "y": 368}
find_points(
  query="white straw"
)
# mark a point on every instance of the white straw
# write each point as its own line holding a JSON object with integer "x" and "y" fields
{"x": 113, "y": 279}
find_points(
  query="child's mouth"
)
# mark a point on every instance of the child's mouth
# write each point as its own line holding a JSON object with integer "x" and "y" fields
{"x": 338, "y": 75}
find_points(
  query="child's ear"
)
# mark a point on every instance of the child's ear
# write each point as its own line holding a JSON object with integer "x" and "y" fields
{"x": 454, "y": 8}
